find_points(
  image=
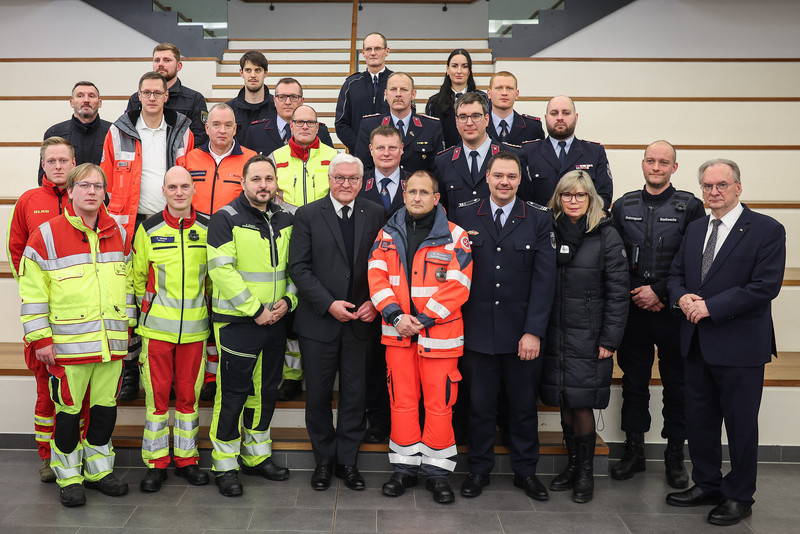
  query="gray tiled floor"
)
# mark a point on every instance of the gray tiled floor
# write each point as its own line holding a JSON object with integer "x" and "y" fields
{"x": 631, "y": 507}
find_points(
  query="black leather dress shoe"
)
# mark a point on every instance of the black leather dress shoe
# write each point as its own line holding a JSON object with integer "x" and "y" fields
{"x": 352, "y": 478}
{"x": 729, "y": 513}
{"x": 377, "y": 433}
{"x": 442, "y": 492}
{"x": 473, "y": 485}
{"x": 398, "y": 484}
{"x": 694, "y": 496}
{"x": 321, "y": 478}
{"x": 533, "y": 488}
{"x": 268, "y": 470}
{"x": 229, "y": 484}
{"x": 192, "y": 474}
{"x": 152, "y": 480}
{"x": 289, "y": 390}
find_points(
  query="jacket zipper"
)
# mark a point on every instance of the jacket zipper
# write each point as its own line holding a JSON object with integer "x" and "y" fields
{"x": 183, "y": 278}
{"x": 305, "y": 193}
{"x": 213, "y": 184}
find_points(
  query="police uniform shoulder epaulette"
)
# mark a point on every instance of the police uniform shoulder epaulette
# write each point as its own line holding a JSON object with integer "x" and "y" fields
{"x": 531, "y": 117}
{"x": 370, "y": 116}
{"x": 447, "y": 150}
{"x": 534, "y": 205}
{"x": 469, "y": 202}
{"x": 532, "y": 141}
{"x": 427, "y": 116}
{"x": 593, "y": 142}
{"x": 510, "y": 144}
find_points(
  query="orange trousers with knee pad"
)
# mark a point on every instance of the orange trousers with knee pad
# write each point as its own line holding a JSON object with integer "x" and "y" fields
{"x": 431, "y": 449}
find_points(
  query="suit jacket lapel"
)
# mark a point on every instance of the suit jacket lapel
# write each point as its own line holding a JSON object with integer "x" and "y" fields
{"x": 517, "y": 212}
{"x": 461, "y": 166}
{"x": 487, "y": 218}
{"x": 575, "y": 152}
{"x": 549, "y": 154}
{"x": 329, "y": 214}
{"x": 734, "y": 237}
{"x": 515, "y": 129}
{"x": 359, "y": 221}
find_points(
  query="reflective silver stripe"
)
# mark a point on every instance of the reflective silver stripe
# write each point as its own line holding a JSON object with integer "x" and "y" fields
{"x": 429, "y": 343}
{"x": 34, "y": 308}
{"x": 291, "y": 288}
{"x": 117, "y": 141}
{"x": 394, "y": 279}
{"x": 35, "y": 324}
{"x": 49, "y": 243}
{"x": 70, "y": 463}
{"x": 256, "y": 443}
{"x": 449, "y": 452}
{"x": 460, "y": 277}
{"x": 407, "y": 460}
{"x": 228, "y": 209}
{"x": 157, "y": 444}
{"x": 423, "y": 291}
{"x": 388, "y": 330}
{"x": 130, "y": 312}
{"x": 187, "y": 426}
{"x": 211, "y": 350}
{"x": 241, "y": 298}
{"x": 407, "y": 450}
{"x": 378, "y": 264}
{"x": 43, "y": 437}
{"x": 155, "y": 426}
{"x": 116, "y": 325}
{"x": 76, "y": 328}
{"x": 227, "y": 448}
{"x": 184, "y": 443}
{"x": 86, "y": 347}
{"x": 455, "y": 233}
{"x": 43, "y": 420}
{"x": 119, "y": 345}
{"x": 58, "y": 263}
{"x": 156, "y": 228}
{"x": 262, "y": 277}
{"x": 110, "y": 257}
{"x": 220, "y": 465}
{"x": 449, "y": 465}
{"x": 176, "y": 325}
{"x": 219, "y": 261}
{"x": 292, "y": 361}
{"x": 437, "y": 308}
{"x": 381, "y": 295}
{"x": 130, "y": 299}
{"x": 168, "y": 302}
{"x": 97, "y": 459}
{"x": 211, "y": 367}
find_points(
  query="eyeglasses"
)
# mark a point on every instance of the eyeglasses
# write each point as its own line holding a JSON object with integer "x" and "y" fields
{"x": 476, "y": 118}
{"x": 374, "y": 49}
{"x": 310, "y": 124}
{"x": 352, "y": 179}
{"x": 580, "y": 197}
{"x": 293, "y": 98}
{"x": 89, "y": 185}
{"x": 707, "y": 188}
{"x": 424, "y": 193}
{"x": 152, "y": 94}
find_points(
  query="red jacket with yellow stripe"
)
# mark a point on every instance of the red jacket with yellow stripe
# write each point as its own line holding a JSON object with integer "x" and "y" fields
{"x": 440, "y": 281}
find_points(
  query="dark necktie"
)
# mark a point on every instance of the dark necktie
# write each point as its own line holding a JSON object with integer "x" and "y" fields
{"x": 498, "y": 213}
{"x": 474, "y": 169}
{"x": 345, "y": 212}
{"x": 503, "y": 130}
{"x": 562, "y": 153}
{"x": 374, "y": 88}
{"x": 400, "y": 127}
{"x": 458, "y": 95}
{"x": 387, "y": 200}
{"x": 287, "y": 133}
{"x": 708, "y": 253}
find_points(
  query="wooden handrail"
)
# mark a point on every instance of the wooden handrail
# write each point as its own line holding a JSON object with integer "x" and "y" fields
{"x": 353, "y": 30}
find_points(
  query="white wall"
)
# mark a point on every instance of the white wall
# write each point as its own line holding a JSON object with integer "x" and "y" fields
{"x": 65, "y": 28}
{"x": 689, "y": 28}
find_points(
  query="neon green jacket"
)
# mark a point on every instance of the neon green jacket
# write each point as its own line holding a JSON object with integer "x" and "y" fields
{"x": 303, "y": 173}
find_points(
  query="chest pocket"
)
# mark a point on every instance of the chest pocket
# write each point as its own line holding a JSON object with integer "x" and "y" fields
{"x": 436, "y": 263}
{"x": 476, "y": 240}
{"x": 525, "y": 252}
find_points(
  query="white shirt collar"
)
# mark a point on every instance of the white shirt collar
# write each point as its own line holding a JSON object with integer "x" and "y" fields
{"x": 141, "y": 125}
{"x": 337, "y": 206}
{"x": 730, "y": 218}
{"x": 555, "y": 142}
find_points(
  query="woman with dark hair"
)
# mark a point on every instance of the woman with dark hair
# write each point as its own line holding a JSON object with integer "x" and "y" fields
{"x": 586, "y": 323}
{"x": 457, "y": 81}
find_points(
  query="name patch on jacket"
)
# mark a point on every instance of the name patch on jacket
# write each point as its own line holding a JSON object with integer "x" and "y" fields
{"x": 667, "y": 219}
{"x": 162, "y": 239}
{"x": 197, "y": 173}
{"x": 441, "y": 256}
{"x": 632, "y": 218}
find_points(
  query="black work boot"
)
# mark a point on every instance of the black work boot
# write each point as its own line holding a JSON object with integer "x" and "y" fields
{"x": 290, "y": 389}
{"x": 566, "y": 479}
{"x": 677, "y": 477}
{"x": 632, "y": 460}
{"x": 584, "y": 485}
{"x": 129, "y": 388}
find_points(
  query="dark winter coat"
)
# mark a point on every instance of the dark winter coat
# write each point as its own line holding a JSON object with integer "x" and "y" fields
{"x": 589, "y": 311}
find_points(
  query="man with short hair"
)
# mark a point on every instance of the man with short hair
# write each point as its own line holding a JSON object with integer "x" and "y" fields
{"x": 216, "y": 167}
{"x": 267, "y": 135}
{"x": 168, "y": 276}
{"x": 506, "y": 124}
{"x": 253, "y": 102}
{"x": 139, "y": 148}
{"x": 461, "y": 169}
{"x": 652, "y": 222}
{"x": 248, "y": 251}
{"x": 187, "y": 102}
{"x": 724, "y": 278}
{"x": 505, "y": 320}
{"x": 421, "y": 135}
{"x": 363, "y": 93}
{"x": 85, "y": 130}
{"x": 420, "y": 274}
{"x": 335, "y": 320}
{"x": 81, "y": 252}
{"x": 35, "y": 207}
{"x": 551, "y": 158}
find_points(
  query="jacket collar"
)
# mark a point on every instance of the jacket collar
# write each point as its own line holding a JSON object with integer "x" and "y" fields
{"x": 300, "y": 152}
{"x": 49, "y": 186}
{"x": 105, "y": 223}
{"x": 175, "y": 222}
{"x": 237, "y": 148}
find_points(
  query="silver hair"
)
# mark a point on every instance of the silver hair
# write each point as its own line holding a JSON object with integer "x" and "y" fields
{"x": 737, "y": 175}
{"x": 341, "y": 158}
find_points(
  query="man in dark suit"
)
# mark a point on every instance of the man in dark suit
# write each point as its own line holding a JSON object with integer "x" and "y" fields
{"x": 335, "y": 320}
{"x": 550, "y": 159}
{"x": 268, "y": 134}
{"x": 505, "y": 318}
{"x": 421, "y": 135}
{"x": 508, "y": 125}
{"x": 461, "y": 169}
{"x": 726, "y": 274}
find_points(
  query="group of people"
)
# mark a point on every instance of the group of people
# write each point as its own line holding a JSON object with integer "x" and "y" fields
{"x": 233, "y": 253}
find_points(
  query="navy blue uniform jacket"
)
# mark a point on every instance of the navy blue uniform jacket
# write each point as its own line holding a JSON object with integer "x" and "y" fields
{"x": 264, "y": 137}
{"x": 423, "y": 140}
{"x": 355, "y": 101}
{"x": 525, "y": 128}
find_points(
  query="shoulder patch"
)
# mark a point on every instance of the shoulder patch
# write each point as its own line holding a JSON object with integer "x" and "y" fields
{"x": 536, "y": 206}
{"x": 456, "y": 152}
{"x": 531, "y": 117}
{"x": 417, "y": 122}
{"x": 469, "y": 202}
{"x": 204, "y": 116}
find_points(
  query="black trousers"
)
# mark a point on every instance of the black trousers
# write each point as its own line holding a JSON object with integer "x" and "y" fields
{"x": 644, "y": 331}
{"x": 378, "y": 412}
{"x": 346, "y": 355}
{"x": 716, "y": 393}
{"x": 521, "y": 378}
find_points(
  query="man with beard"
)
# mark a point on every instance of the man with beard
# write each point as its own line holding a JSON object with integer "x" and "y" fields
{"x": 253, "y": 101}
{"x": 167, "y": 62}
{"x": 549, "y": 159}
{"x": 85, "y": 130}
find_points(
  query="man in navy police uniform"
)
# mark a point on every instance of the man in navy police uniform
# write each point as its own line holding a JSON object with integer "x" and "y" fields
{"x": 508, "y": 125}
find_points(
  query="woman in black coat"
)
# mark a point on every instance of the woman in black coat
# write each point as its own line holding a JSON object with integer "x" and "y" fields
{"x": 458, "y": 80}
{"x": 586, "y": 324}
